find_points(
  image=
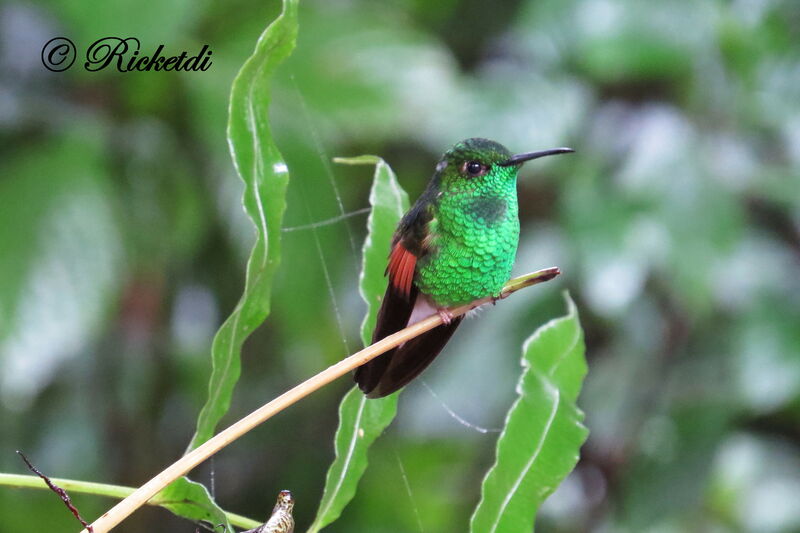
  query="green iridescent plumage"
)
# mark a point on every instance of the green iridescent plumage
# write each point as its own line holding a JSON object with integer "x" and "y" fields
{"x": 474, "y": 229}
{"x": 455, "y": 245}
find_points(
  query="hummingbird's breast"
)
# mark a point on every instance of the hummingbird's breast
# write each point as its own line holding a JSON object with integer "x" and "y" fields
{"x": 474, "y": 237}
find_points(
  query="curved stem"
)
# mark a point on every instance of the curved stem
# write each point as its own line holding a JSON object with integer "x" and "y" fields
{"x": 140, "y": 496}
{"x": 119, "y": 492}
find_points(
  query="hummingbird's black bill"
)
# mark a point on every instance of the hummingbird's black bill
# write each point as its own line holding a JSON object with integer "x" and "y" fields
{"x": 521, "y": 158}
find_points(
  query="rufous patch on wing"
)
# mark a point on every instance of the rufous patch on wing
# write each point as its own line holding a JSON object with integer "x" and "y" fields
{"x": 401, "y": 269}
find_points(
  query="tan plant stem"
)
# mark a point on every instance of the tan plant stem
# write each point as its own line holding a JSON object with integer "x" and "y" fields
{"x": 140, "y": 496}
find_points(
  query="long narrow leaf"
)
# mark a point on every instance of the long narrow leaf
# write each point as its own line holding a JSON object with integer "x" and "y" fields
{"x": 543, "y": 433}
{"x": 361, "y": 421}
{"x": 261, "y": 167}
{"x": 388, "y": 202}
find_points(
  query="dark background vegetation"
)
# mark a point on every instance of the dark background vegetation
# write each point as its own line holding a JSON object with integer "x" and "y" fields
{"x": 122, "y": 247}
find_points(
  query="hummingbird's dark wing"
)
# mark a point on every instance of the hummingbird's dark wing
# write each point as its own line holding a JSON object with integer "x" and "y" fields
{"x": 403, "y": 305}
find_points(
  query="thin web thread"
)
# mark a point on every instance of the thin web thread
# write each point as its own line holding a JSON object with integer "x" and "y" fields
{"x": 408, "y": 490}
{"x": 328, "y": 283}
{"x": 329, "y": 221}
{"x": 325, "y": 163}
{"x": 461, "y": 420}
{"x": 213, "y": 484}
{"x": 314, "y": 225}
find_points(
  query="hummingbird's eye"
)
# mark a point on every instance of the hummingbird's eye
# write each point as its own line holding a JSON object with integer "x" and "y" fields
{"x": 474, "y": 168}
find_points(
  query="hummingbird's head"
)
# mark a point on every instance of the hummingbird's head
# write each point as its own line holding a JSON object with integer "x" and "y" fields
{"x": 476, "y": 158}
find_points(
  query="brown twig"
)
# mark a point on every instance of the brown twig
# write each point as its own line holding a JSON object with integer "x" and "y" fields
{"x": 123, "y": 509}
{"x": 61, "y": 493}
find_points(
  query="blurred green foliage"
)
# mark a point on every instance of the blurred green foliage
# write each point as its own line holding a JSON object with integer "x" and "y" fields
{"x": 123, "y": 244}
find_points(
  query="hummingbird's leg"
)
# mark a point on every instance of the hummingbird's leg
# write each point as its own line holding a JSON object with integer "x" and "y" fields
{"x": 446, "y": 315}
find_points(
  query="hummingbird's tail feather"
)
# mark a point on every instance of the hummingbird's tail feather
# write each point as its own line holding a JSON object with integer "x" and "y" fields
{"x": 411, "y": 358}
{"x": 394, "y": 369}
{"x": 393, "y": 316}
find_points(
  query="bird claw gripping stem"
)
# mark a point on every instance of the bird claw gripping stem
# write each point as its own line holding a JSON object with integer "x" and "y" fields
{"x": 446, "y": 315}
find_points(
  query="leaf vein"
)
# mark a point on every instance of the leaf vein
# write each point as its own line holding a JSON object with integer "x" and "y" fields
{"x": 350, "y": 450}
{"x": 556, "y": 394}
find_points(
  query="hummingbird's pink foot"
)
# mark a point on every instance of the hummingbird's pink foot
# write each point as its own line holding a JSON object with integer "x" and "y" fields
{"x": 446, "y": 315}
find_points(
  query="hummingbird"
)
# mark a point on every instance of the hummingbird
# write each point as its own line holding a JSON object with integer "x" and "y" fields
{"x": 455, "y": 245}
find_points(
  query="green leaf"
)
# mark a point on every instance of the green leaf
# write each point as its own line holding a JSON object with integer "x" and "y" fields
{"x": 261, "y": 167}
{"x": 388, "y": 201}
{"x": 543, "y": 433}
{"x": 265, "y": 176}
{"x": 361, "y": 421}
{"x": 191, "y": 500}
